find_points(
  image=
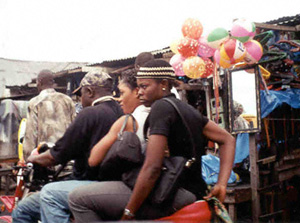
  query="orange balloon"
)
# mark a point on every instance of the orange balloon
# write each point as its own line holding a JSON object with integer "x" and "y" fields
{"x": 194, "y": 67}
{"x": 192, "y": 28}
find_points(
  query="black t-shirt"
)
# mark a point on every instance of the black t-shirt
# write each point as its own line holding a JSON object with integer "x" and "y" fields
{"x": 164, "y": 120}
{"x": 90, "y": 125}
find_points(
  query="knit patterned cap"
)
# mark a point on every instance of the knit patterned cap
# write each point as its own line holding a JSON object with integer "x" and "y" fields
{"x": 93, "y": 78}
{"x": 156, "y": 69}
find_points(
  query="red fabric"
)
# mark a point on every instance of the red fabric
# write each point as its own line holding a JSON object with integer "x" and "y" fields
{"x": 196, "y": 212}
{"x": 6, "y": 218}
{"x": 9, "y": 202}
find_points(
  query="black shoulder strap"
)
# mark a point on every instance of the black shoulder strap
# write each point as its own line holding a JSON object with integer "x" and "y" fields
{"x": 185, "y": 124}
{"x": 125, "y": 122}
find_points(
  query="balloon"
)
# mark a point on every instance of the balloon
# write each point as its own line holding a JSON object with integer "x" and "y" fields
{"x": 217, "y": 56}
{"x": 254, "y": 51}
{"x": 224, "y": 63}
{"x": 209, "y": 67}
{"x": 174, "y": 46}
{"x": 192, "y": 28}
{"x": 194, "y": 67}
{"x": 188, "y": 47}
{"x": 243, "y": 30}
{"x": 232, "y": 51}
{"x": 204, "y": 49}
{"x": 216, "y": 37}
{"x": 176, "y": 62}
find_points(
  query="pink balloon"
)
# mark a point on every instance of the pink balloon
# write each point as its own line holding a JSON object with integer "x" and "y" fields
{"x": 254, "y": 51}
{"x": 204, "y": 49}
{"x": 176, "y": 62}
{"x": 217, "y": 56}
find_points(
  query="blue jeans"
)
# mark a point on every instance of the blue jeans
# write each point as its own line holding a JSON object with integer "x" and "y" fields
{"x": 28, "y": 210}
{"x": 50, "y": 205}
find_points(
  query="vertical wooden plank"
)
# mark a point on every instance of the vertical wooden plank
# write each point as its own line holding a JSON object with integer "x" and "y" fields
{"x": 69, "y": 84}
{"x": 207, "y": 97}
{"x": 254, "y": 178}
{"x": 232, "y": 212}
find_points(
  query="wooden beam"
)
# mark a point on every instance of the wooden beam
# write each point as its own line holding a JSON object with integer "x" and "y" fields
{"x": 254, "y": 178}
{"x": 276, "y": 27}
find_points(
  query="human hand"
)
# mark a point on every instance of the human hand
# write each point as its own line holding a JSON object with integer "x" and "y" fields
{"x": 218, "y": 191}
{"x": 31, "y": 158}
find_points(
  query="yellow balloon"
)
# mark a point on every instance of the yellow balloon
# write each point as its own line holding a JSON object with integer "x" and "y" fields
{"x": 174, "y": 45}
{"x": 224, "y": 63}
{"x": 194, "y": 67}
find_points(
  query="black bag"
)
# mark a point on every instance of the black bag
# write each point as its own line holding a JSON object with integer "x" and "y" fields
{"x": 125, "y": 154}
{"x": 173, "y": 168}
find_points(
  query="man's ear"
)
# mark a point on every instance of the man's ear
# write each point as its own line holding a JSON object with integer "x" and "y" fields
{"x": 90, "y": 92}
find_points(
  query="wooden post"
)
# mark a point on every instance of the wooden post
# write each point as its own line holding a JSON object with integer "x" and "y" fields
{"x": 254, "y": 178}
{"x": 69, "y": 84}
{"x": 207, "y": 96}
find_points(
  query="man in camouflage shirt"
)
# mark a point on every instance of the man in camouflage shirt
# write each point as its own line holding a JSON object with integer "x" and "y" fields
{"x": 49, "y": 114}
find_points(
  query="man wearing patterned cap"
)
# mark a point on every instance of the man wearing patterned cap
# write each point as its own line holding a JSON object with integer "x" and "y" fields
{"x": 91, "y": 124}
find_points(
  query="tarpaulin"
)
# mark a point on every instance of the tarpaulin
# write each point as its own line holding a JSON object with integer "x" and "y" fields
{"x": 241, "y": 147}
{"x": 11, "y": 113}
{"x": 268, "y": 102}
{"x": 211, "y": 168}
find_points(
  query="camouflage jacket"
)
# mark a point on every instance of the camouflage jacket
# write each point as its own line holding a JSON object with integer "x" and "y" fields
{"x": 49, "y": 115}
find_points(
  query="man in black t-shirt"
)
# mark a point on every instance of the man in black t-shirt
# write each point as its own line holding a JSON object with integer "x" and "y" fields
{"x": 91, "y": 124}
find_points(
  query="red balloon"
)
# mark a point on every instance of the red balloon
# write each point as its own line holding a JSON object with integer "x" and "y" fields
{"x": 209, "y": 67}
{"x": 188, "y": 47}
{"x": 192, "y": 28}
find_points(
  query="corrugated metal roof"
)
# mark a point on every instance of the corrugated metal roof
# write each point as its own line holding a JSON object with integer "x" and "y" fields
{"x": 286, "y": 21}
{"x": 130, "y": 60}
{"x": 17, "y": 72}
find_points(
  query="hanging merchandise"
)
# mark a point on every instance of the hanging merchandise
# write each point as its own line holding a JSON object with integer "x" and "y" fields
{"x": 216, "y": 37}
{"x": 194, "y": 67}
{"x": 192, "y": 28}
{"x": 188, "y": 47}
{"x": 204, "y": 49}
{"x": 177, "y": 63}
{"x": 243, "y": 30}
{"x": 232, "y": 51}
{"x": 254, "y": 52}
{"x": 174, "y": 46}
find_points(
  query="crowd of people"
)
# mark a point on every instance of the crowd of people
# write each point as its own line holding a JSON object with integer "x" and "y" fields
{"x": 88, "y": 138}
